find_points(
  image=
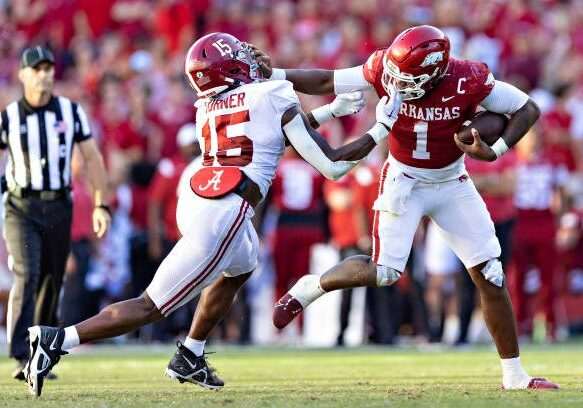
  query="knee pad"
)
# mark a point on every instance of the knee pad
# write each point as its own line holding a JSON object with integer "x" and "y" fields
{"x": 493, "y": 272}
{"x": 387, "y": 276}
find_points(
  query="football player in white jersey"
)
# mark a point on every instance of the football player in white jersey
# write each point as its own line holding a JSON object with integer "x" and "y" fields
{"x": 243, "y": 125}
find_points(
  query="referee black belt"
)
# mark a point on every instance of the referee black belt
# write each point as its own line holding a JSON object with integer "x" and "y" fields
{"x": 44, "y": 195}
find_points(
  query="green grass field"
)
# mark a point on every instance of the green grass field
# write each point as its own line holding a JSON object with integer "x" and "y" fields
{"x": 364, "y": 377}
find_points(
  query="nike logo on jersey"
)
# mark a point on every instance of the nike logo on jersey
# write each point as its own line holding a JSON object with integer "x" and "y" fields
{"x": 444, "y": 99}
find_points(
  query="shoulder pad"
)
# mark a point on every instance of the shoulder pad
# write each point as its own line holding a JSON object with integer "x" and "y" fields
{"x": 281, "y": 94}
{"x": 373, "y": 66}
{"x": 480, "y": 78}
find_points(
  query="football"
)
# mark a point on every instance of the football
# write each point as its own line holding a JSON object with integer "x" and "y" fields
{"x": 489, "y": 125}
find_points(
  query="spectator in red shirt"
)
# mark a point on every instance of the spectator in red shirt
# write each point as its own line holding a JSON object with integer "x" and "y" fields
{"x": 169, "y": 116}
{"x": 175, "y": 23}
{"x": 297, "y": 195}
{"x": 132, "y": 17}
{"x": 94, "y": 17}
{"x": 540, "y": 178}
{"x": 556, "y": 125}
{"x": 569, "y": 241}
{"x": 163, "y": 232}
{"x": 339, "y": 196}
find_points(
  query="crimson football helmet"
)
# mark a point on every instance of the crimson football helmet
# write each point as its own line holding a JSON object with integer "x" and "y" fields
{"x": 416, "y": 60}
{"x": 218, "y": 62}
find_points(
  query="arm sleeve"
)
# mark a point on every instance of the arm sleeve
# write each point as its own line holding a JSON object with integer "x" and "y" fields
{"x": 302, "y": 141}
{"x": 350, "y": 80}
{"x": 504, "y": 98}
{"x": 82, "y": 130}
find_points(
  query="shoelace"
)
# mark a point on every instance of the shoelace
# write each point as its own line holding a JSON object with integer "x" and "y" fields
{"x": 210, "y": 368}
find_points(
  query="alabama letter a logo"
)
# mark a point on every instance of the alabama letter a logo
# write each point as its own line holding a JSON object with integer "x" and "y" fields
{"x": 214, "y": 182}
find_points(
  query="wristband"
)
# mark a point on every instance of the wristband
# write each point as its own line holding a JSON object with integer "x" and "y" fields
{"x": 322, "y": 114}
{"x": 500, "y": 147}
{"x": 378, "y": 132}
{"x": 277, "y": 73}
{"x": 105, "y": 207}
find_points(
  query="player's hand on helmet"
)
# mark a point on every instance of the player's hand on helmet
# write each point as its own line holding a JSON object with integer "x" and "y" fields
{"x": 478, "y": 150}
{"x": 263, "y": 60}
{"x": 387, "y": 109}
{"x": 347, "y": 104}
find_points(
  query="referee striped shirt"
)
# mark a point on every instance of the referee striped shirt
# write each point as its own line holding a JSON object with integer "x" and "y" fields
{"x": 40, "y": 142}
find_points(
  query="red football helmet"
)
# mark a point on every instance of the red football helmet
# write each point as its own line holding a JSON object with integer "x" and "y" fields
{"x": 218, "y": 62}
{"x": 416, "y": 60}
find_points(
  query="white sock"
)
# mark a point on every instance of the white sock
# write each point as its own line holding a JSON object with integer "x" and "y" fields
{"x": 196, "y": 346}
{"x": 513, "y": 375}
{"x": 307, "y": 289}
{"x": 71, "y": 338}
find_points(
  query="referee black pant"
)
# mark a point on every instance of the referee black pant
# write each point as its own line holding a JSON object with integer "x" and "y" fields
{"x": 38, "y": 238}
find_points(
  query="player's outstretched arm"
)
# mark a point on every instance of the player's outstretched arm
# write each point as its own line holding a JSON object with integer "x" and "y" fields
{"x": 314, "y": 81}
{"x": 334, "y": 163}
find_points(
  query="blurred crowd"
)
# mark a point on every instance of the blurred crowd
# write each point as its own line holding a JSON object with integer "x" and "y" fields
{"x": 122, "y": 60}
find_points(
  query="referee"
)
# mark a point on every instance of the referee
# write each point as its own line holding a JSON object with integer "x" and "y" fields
{"x": 39, "y": 131}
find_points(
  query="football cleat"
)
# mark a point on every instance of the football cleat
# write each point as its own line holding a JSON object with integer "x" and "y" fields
{"x": 185, "y": 366}
{"x": 285, "y": 310}
{"x": 45, "y": 352}
{"x": 541, "y": 383}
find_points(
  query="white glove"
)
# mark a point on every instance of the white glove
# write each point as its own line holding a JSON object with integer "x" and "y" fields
{"x": 386, "y": 116}
{"x": 387, "y": 112}
{"x": 342, "y": 105}
{"x": 347, "y": 104}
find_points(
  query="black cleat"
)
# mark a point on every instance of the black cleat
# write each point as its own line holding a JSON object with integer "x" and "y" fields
{"x": 185, "y": 366}
{"x": 45, "y": 353}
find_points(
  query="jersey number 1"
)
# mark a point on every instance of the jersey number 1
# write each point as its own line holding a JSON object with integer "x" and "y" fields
{"x": 226, "y": 142}
{"x": 420, "y": 151}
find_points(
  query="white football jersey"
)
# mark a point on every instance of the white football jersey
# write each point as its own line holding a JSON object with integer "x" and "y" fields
{"x": 242, "y": 128}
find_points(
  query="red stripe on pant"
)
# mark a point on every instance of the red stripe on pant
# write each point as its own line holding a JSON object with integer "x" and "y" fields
{"x": 375, "y": 224}
{"x": 187, "y": 289}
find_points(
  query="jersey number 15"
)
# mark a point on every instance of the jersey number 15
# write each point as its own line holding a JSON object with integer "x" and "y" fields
{"x": 225, "y": 144}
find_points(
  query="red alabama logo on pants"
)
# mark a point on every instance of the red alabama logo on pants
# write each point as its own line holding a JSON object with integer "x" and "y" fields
{"x": 215, "y": 182}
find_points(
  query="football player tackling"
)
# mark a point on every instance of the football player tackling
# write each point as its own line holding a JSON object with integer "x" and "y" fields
{"x": 243, "y": 125}
{"x": 424, "y": 175}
